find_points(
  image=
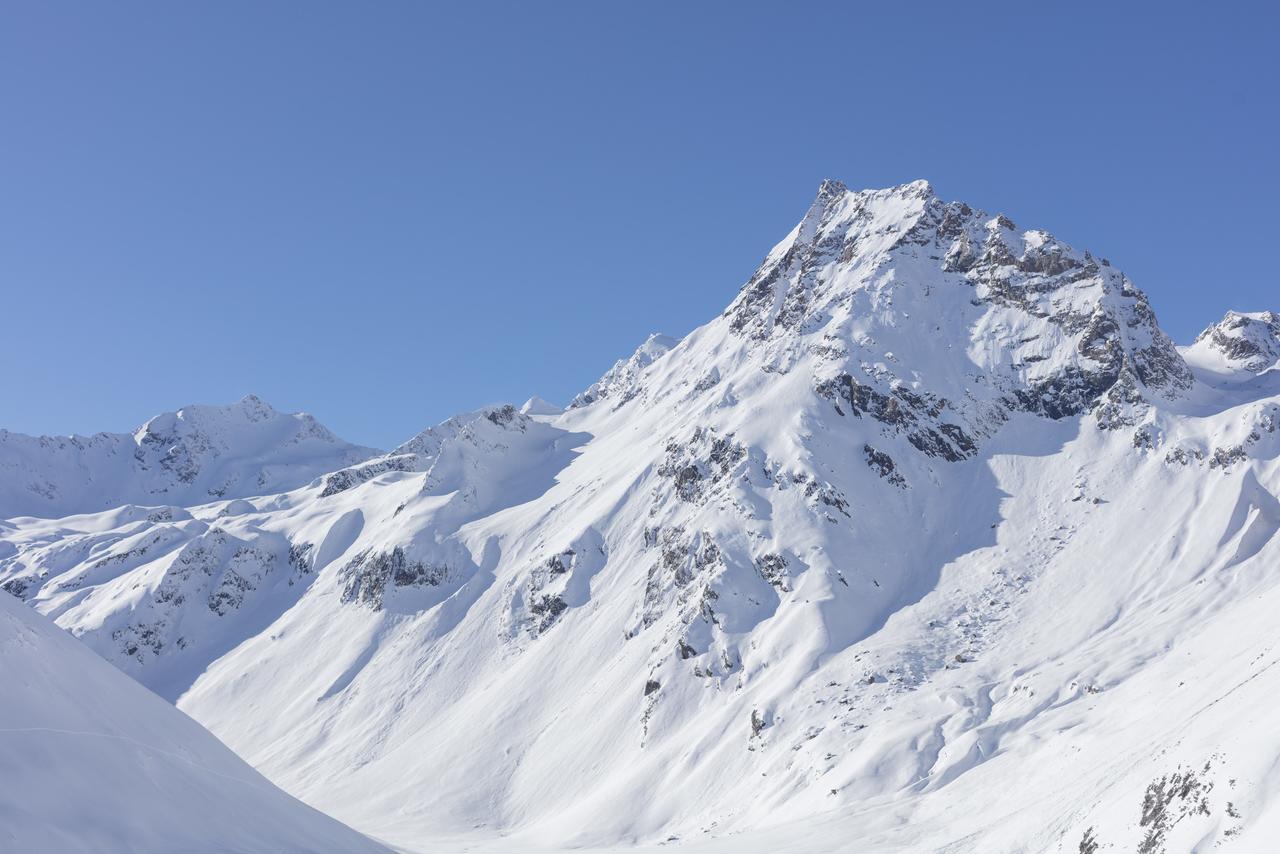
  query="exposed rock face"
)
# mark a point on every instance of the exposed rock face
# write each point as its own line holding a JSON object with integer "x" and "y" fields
{"x": 1247, "y": 342}
{"x": 930, "y": 488}
{"x": 369, "y": 577}
{"x": 1070, "y": 334}
{"x": 702, "y": 463}
{"x": 545, "y": 591}
{"x": 341, "y": 481}
{"x": 906, "y": 412}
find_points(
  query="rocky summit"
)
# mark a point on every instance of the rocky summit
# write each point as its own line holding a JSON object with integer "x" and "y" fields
{"x": 933, "y": 540}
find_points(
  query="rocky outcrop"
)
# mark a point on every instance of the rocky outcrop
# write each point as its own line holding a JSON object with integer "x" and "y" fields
{"x": 370, "y": 576}
{"x": 621, "y": 382}
{"x": 1074, "y": 334}
{"x": 341, "y": 481}
{"x": 904, "y": 411}
{"x": 1243, "y": 341}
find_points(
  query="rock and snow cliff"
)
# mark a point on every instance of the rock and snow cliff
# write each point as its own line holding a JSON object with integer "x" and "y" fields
{"x": 1239, "y": 344}
{"x": 619, "y": 383}
{"x": 934, "y": 508}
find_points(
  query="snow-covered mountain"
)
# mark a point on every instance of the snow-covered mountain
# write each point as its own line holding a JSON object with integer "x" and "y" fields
{"x": 933, "y": 510}
{"x": 194, "y": 455}
{"x": 95, "y": 763}
{"x": 1241, "y": 345}
{"x": 619, "y": 383}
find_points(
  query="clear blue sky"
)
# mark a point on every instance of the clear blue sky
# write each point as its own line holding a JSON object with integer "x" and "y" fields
{"x": 384, "y": 213}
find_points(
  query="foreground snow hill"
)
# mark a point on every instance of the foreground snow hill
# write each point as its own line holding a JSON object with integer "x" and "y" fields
{"x": 93, "y": 762}
{"x": 932, "y": 541}
{"x": 194, "y": 455}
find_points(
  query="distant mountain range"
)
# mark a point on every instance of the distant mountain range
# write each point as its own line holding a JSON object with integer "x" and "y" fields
{"x": 932, "y": 541}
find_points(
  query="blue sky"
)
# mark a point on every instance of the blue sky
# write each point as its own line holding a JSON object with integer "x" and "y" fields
{"x": 386, "y": 213}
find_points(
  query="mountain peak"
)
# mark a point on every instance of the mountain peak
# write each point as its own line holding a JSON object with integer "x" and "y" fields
{"x": 797, "y": 549}
{"x": 919, "y": 188}
{"x": 255, "y": 407}
{"x": 536, "y": 405}
{"x": 249, "y": 408}
{"x": 831, "y": 191}
{"x": 831, "y": 187}
{"x": 657, "y": 344}
{"x": 1242, "y": 341}
{"x": 192, "y": 455}
{"x": 897, "y": 275}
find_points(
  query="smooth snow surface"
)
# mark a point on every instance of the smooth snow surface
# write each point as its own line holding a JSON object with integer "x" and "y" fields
{"x": 932, "y": 541}
{"x": 93, "y": 762}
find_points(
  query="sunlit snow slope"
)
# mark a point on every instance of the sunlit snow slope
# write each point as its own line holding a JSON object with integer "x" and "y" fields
{"x": 93, "y": 762}
{"x": 933, "y": 540}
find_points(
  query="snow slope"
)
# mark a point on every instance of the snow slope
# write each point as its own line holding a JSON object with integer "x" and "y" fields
{"x": 196, "y": 454}
{"x": 93, "y": 762}
{"x": 934, "y": 511}
{"x": 619, "y": 382}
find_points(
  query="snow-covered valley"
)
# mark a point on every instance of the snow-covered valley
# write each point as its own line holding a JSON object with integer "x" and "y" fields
{"x": 932, "y": 541}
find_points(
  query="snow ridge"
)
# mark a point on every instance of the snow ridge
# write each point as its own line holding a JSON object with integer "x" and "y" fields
{"x": 191, "y": 456}
{"x": 618, "y": 383}
{"x": 933, "y": 508}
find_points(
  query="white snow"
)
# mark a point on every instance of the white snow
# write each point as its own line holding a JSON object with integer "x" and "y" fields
{"x": 194, "y": 455}
{"x": 93, "y": 762}
{"x": 537, "y": 406}
{"x": 619, "y": 382}
{"x": 766, "y": 587}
